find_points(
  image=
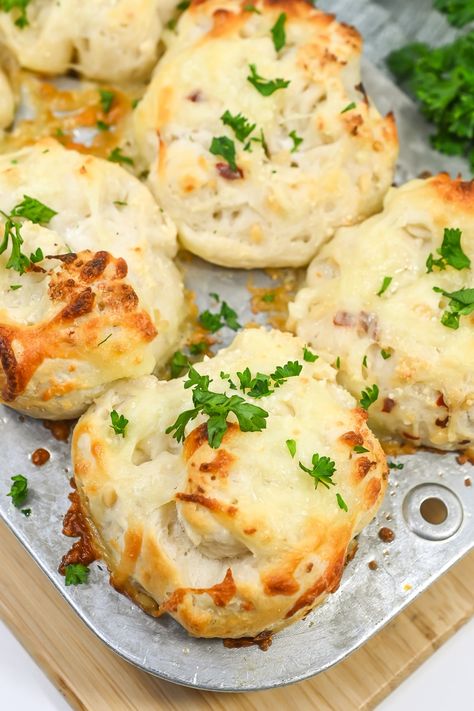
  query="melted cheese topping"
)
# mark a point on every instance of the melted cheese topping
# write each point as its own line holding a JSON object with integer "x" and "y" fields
{"x": 111, "y": 40}
{"x": 426, "y": 384}
{"x": 283, "y": 201}
{"x": 235, "y": 540}
{"x": 102, "y": 210}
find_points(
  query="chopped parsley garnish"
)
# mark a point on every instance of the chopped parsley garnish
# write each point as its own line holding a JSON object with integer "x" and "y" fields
{"x": 116, "y": 156}
{"x": 269, "y": 297}
{"x": 257, "y": 387}
{"x": 283, "y": 372}
{"x": 76, "y": 574}
{"x": 198, "y": 348}
{"x": 441, "y": 78}
{"x": 102, "y": 126}
{"x": 451, "y": 253}
{"x": 258, "y": 139}
{"x": 358, "y": 449}
{"x": 322, "y": 470}
{"x": 461, "y": 303}
{"x": 180, "y": 7}
{"x": 119, "y": 423}
{"x": 291, "y": 444}
{"x": 34, "y": 211}
{"x": 251, "y": 8}
{"x": 104, "y": 340}
{"x": 217, "y": 407}
{"x": 26, "y": 512}
{"x": 106, "y": 100}
{"x": 239, "y": 124}
{"x": 18, "y": 490}
{"x": 385, "y": 354}
{"x": 338, "y": 362}
{"x": 278, "y": 32}
{"x": 364, "y": 361}
{"x": 14, "y": 287}
{"x": 179, "y": 363}
{"x": 20, "y": 5}
{"x": 341, "y": 503}
{"x": 394, "y": 465}
{"x": 458, "y": 12}
{"x": 226, "y": 316}
{"x": 387, "y": 280}
{"x": 266, "y": 87}
{"x": 296, "y": 141}
{"x": 120, "y": 203}
{"x": 369, "y": 396}
{"x": 309, "y": 356}
{"x": 225, "y": 147}
{"x": 349, "y": 107}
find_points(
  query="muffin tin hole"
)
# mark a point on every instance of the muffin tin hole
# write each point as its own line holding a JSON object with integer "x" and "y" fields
{"x": 433, "y": 512}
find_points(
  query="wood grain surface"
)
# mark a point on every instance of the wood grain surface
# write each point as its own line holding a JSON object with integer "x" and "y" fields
{"x": 92, "y": 678}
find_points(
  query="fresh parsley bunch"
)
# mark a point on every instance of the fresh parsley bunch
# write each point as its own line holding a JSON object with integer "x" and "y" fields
{"x": 442, "y": 79}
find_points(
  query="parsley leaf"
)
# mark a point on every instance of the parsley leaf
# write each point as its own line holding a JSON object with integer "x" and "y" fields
{"x": 461, "y": 303}
{"x": 369, "y": 396}
{"x": 179, "y": 362}
{"x": 458, "y": 12}
{"x": 289, "y": 370}
{"x": 76, "y": 574}
{"x": 309, "y": 356}
{"x": 341, "y": 503}
{"x": 37, "y": 256}
{"x": 106, "y": 100}
{"x": 266, "y": 87}
{"x": 296, "y": 140}
{"x": 269, "y": 297}
{"x": 116, "y": 156}
{"x": 322, "y": 470}
{"x": 385, "y": 354}
{"x": 18, "y": 490}
{"x": 215, "y": 321}
{"x": 33, "y": 210}
{"x": 349, "y": 107}
{"x": 119, "y": 423}
{"x": 198, "y": 348}
{"x": 394, "y": 465}
{"x": 278, "y": 32}
{"x": 225, "y": 147}
{"x": 451, "y": 253}
{"x": 251, "y": 8}
{"x": 385, "y": 284}
{"x": 217, "y": 407}
{"x": 20, "y": 5}
{"x": 26, "y": 512}
{"x": 291, "y": 444}
{"x": 358, "y": 449}
{"x": 239, "y": 124}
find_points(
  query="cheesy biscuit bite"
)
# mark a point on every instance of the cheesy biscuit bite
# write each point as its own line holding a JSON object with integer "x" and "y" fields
{"x": 259, "y": 135}
{"x": 391, "y": 300}
{"x": 228, "y": 498}
{"x": 89, "y": 292}
{"x": 109, "y": 40}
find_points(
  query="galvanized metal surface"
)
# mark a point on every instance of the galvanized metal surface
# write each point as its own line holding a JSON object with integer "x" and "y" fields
{"x": 367, "y": 599}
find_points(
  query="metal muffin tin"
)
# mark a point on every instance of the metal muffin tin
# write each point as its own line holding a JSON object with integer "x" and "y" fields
{"x": 367, "y": 598}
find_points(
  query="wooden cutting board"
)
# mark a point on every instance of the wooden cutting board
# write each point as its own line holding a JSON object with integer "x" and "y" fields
{"x": 92, "y": 678}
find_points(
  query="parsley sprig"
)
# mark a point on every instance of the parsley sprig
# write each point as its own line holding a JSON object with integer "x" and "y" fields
{"x": 451, "y": 253}
{"x": 20, "y": 5}
{"x": 239, "y": 124}
{"x": 225, "y": 147}
{"x": 369, "y": 396}
{"x": 217, "y": 407}
{"x": 278, "y": 32}
{"x": 106, "y": 99}
{"x": 34, "y": 211}
{"x": 18, "y": 490}
{"x": 441, "y": 79}
{"x": 119, "y": 423}
{"x": 226, "y": 316}
{"x": 461, "y": 303}
{"x": 76, "y": 574}
{"x": 266, "y": 87}
{"x": 322, "y": 470}
{"x": 458, "y": 12}
{"x": 260, "y": 385}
